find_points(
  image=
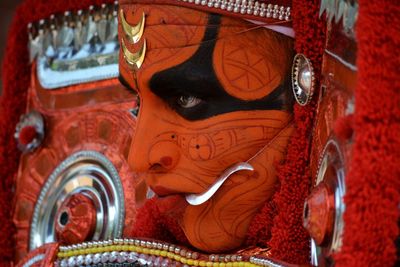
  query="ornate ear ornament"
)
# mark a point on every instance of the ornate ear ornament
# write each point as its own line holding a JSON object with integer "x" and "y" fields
{"x": 303, "y": 79}
{"x": 29, "y": 132}
{"x": 135, "y": 60}
{"x": 134, "y": 33}
{"x": 324, "y": 207}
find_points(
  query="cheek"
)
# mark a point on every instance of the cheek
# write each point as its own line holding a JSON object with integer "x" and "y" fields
{"x": 226, "y": 145}
{"x": 232, "y": 209}
{"x": 201, "y": 147}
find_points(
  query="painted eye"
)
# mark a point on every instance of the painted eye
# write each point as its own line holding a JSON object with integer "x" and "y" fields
{"x": 188, "y": 101}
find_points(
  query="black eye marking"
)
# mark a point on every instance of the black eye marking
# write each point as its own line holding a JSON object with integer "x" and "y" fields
{"x": 195, "y": 80}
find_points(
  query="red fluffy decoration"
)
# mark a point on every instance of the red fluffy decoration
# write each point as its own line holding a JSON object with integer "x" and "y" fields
{"x": 153, "y": 222}
{"x": 344, "y": 127}
{"x": 16, "y": 73}
{"x": 259, "y": 232}
{"x": 373, "y": 181}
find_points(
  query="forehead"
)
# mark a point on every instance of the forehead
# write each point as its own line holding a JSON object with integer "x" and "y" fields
{"x": 173, "y": 34}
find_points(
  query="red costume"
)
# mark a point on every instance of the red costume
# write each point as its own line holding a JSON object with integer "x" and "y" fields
{"x": 214, "y": 84}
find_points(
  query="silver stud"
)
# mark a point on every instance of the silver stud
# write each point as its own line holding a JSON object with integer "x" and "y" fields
{"x": 113, "y": 256}
{"x": 122, "y": 257}
{"x": 72, "y": 262}
{"x": 105, "y": 257}
{"x": 132, "y": 257}
{"x": 97, "y": 258}
{"x": 80, "y": 260}
{"x": 88, "y": 259}
{"x": 64, "y": 263}
{"x": 303, "y": 80}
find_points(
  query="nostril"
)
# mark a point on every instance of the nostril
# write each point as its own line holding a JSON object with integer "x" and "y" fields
{"x": 156, "y": 167}
{"x": 163, "y": 156}
{"x": 166, "y": 161}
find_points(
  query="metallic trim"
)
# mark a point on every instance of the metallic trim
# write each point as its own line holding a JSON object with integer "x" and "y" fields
{"x": 301, "y": 70}
{"x": 331, "y": 157}
{"x": 265, "y": 262}
{"x": 257, "y": 9}
{"x": 34, "y": 260}
{"x": 134, "y": 33}
{"x": 135, "y": 60}
{"x": 198, "y": 199}
{"x": 147, "y": 252}
{"x": 76, "y": 47}
{"x": 86, "y": 172}
{"x": 345, "y": 10}
{"x": 341, "y": 60}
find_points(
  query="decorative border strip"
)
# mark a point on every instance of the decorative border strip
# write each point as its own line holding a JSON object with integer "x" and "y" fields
{"x": 139, "y": 252}
{"x": 249, "y": 7}
{"x": 76, "y": 46}
{"x": 34, "y": 260}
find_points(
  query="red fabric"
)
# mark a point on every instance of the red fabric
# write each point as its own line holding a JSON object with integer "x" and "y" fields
{"x": 16, "y": 72}
{"x": 373, "y": 181}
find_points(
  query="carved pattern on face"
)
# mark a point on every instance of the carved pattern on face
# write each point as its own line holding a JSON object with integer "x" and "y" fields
{"x": 248, "y": 67}
{"x": 186, "y": 159}
{"x": 243, "y": 74}
{"x": 202, "y": 145}
{"x": 220, "y": 224}
{"x": 181, "y": 154}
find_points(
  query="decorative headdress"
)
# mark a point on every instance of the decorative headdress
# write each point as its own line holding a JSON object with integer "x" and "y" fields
{"x": 371, "y": 193}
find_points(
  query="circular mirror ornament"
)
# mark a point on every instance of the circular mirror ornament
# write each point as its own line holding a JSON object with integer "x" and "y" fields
{"x": 324, "y": 207}
{"x": 29, "y": 132}
{"x": 303, "y": 79}
{"x": 82, "y": 200}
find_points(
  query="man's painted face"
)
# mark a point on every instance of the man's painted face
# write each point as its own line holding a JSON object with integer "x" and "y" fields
{"x": 213, "y": 92}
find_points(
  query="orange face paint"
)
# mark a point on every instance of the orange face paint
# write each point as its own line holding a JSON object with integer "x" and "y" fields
{"x": 210, "y": 97}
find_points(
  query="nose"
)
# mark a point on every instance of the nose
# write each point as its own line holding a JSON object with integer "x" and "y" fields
{"x": 152, "y": 150}
{"x": 164, "y": 154}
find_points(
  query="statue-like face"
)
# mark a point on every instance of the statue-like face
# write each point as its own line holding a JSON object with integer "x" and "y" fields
{"x": 213, "y": 92}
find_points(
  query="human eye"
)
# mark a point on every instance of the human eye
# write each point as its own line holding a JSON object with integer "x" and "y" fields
{"x": 135, "y": 109}
{"x": 188, "y": 101}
